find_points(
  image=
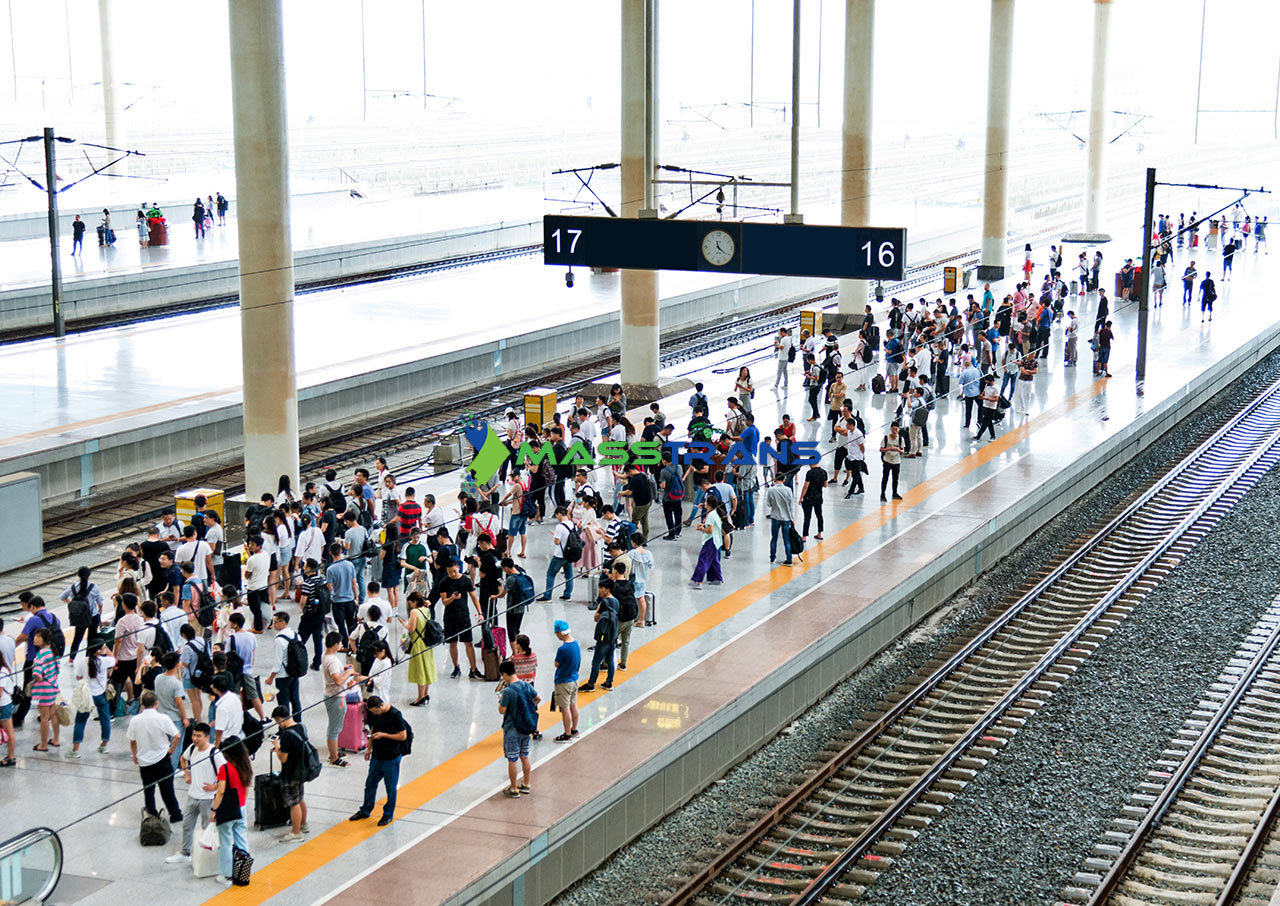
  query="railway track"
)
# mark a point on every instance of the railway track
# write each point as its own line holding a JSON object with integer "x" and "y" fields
{"x": 1200, "y": 828}
{"x": 892, "y": 774}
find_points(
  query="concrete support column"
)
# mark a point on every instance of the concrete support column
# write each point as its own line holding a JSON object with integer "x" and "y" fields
{"x": 855, "y": 155}
{"x": 995, "y": 195}
{"x": 640, "y": 329}
{"x": 266, "y": 250}
{"x": 1095, "y": 182}
{"x": 111, "y": 112}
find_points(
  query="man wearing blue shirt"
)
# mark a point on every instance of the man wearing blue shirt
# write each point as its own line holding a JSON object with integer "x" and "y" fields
{"x": 565, "y": 695}
{"x": 971, "y": 387}
{"x": 341, "y": 578}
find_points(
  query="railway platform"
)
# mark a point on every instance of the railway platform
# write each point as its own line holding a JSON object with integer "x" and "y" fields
{"x": 725, "y": 668}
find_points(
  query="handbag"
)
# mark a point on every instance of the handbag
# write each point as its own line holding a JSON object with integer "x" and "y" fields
{"x": 81, "y": 698}
{"x": 64, "y": 714}
{"x": 241, "y": 867}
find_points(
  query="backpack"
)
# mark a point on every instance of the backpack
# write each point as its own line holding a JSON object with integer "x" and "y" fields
{"x": 525, "y": 714}
{"x": 877, "y": 384}
{"x": 368, "y": 550}
{"x": 295, "y": 657}
{"x": 920, "y": 417}
{"x": 207, "y": 609}
{"x": 433, "y": 632}
{"x": 318, "y": 602}
{"x": 202, "y": 670}
{"x": 311, "y": 767}
{"x": 367, "y": 647}
{"x": 406, "y": 747}
{"x": 78, "y": 612}
{"x": 675, "y": 484}
{"x": 57, "y": 640}
{"x": 235, "y": 663}
{"x": 524, "y": 591}
{"x": 791, "y": 353}
{"x": 652, "y": 483}
{"x": 607, "y": 626}
{"x": 528, "y": 505}
{"x": 571, "y": 550}
{"x": 162, "y": 642}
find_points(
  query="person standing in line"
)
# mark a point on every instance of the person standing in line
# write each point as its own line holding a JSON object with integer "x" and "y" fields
{"x": 82, "y": 590}
{"x": 1105, "y": 336}
{"x": 1228, "y": 255}
{"x": 353, "y": 543}
{"x": 1188, "y": 283}
{"x": 1260, "y": 234}
{"x": 222, "y": 209}
{"x": 153, "y": 739}
{"x": 44, "y": 687}
{"x": 624, "y": 591}
{"x": 1126, "y": 278}
{"x": 605, "y": 635}
{"x": 989, "y": 401}
{"x": 855, "y": 455}
{"x": 672, "y": 488}
{"x": 9, "y": 674}
{"x": 1104, "y": 309}
{"x": 1097, "y": 268}
{"x": 140, "y": 221}
{"x": 712, "y": 525}
{"x": 783, "y": 350}
{"x": 422, "y": 657}
{"x": 1157, "y": 281}
{"x": 815, "y": 482}
{"x": 93, "y": 667}
{"x": 559, "y": 563}
{"x": 233, "y": 779}
{"x": 199, "y": 763}
{"x": 517, "y": 704}
{"x": 891, "y": 460}
{"x": 970, "y": 389}
{"x": 340, "y": 576}
{"x": 779, "y": 506}
{"x": 1070, "y": 336}
{"x": 77, "y": 236}
{"x": 286, "y": 684}
{"x": 1026, "y": 384}
{"x": 813, "y": 384}
{"x": 290, "y": 747}
{"x": 743, "y": 388}
{"x": 257, "y": 575}
{"x": 172, "y": 699}
{"x": 197, "y": 217}
{"x": 568, "y": 662}
{"x": 1208, "y": 293}
{"x": 387, "y": 736}
{"x": 338, "y": 676}
{"x": 454, "y": 591}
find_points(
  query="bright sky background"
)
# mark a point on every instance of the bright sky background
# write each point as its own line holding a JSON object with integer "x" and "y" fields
{"x": 557, "y": 63}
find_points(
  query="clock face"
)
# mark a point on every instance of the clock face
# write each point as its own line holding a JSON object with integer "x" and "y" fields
{"x": 718, "y": 248}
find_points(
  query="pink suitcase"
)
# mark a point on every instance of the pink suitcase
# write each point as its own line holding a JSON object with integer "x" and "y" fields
{"x": 500, "y": 641}
{"x": 353, "y": 737}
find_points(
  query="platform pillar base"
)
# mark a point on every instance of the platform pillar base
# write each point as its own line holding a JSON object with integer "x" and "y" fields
{"x": 988, "y": 273}
{"x": 640, "y": 394}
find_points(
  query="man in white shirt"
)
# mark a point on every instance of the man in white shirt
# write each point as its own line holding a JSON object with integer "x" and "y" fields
{"x": 433, "y": 517}
{"x": 200, "y": 763}
{"x": 558, "y": 563}
{"x": 782, "y": 347}
{"x": 257, "y": 572}
{"x": 286, "y": 685}
{"x": 198, "y": 553}
{"x": 152, "y": 739}
{"x": 170, "y": 532}
{"x": 587, "y": 427}
{"x": 217, "y": 541}
{"x": 228, "y": 719}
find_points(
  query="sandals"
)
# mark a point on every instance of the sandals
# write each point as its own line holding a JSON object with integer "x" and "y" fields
{"x": 340, "y": 763}
{"x": 38, "y": 749}
{"x": 510, "y": 793}
{"x": 7, "y": 763}
{"x": 563, "y": 737}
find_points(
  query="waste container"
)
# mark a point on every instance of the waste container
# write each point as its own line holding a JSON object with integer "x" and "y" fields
{"x": 811, "y": 320}
{"x": 185, "y": 504}
{"x": 539, "y": 406}
{"x": 950, "y": 279}
{"x": 968, "y": 276}
{"x": 157, "y": 231}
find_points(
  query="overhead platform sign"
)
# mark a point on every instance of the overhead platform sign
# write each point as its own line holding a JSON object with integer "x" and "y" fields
{"x": 790, "y": 250}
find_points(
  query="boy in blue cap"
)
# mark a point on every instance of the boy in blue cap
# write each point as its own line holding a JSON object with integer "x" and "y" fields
{"x": 565, "y": 694}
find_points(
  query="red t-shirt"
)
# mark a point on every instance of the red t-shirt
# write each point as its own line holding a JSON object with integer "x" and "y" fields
{"x": 410, "y": 513}
{"x": 232, "y": 777}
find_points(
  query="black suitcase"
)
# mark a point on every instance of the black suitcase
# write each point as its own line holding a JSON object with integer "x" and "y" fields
{"x": 268, "y": 801}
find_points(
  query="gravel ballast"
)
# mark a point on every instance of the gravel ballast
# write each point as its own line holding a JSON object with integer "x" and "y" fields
{"x": 1035, "y": 850}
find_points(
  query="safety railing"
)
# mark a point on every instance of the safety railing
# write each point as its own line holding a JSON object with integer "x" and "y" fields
{"x": 30, "y": 866}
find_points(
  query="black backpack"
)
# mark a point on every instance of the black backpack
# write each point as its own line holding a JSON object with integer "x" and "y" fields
{"x": 791, "y": 352}
{"x": 295, "y": 657}
{"x": 57, "y": 640}
{"x": 162, "y": 642}
{"x": 208, "y": 607}
{"x": 78, "y": 610}
{"x": 311, "y": 767}
{"x": 235, "y": 663}
{"x": 318, "y": 601}
{"x": 432, "y": 633}
{"x": 202, "y": 670}
{"x": 367, "y": 647}
{"x": 572, "y": 547}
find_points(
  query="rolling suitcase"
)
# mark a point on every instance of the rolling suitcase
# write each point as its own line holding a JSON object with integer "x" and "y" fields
{"x": 268, "y": 799}
{"x": 651, "y": 609}
{"x": 489, "y": 656}
{"x": 353, "y": 737}
{"x": 500, "y": 641}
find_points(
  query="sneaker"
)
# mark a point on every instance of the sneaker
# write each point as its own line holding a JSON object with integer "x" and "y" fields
{"x": 225, "y": 882}
{"x": 715, "y": 582}
{"x": 788, "y": 563}
{"x": 457, "y": 671}
{"x": 622, "y": 666}
{"x": 695, "y": 584}
{"x": 475, "y": 674}
{"x": 524, "y": 790}
{"x": 385, "y": 820}
{"x": 510, "y": 793}
{"x": 564, "y": 597}
{"x": 606, "y": 685}
{"x": 73, "y": 754}
{"x": 306, "y": 828}
{"x": 586, "y": 687}
{"x": 897, "y": 497}
{"x": 178, "y": 859}
{"x": 291, "y": 838}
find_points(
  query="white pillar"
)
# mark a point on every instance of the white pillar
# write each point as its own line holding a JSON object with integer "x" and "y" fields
{"x": 639, "y": 340}
{"x": 1095, "y": 184}
{"x": 855, "y": 155}
{"x": 112, "y": 115}
{"x": 995, "y": 196}
{"x": 266, "y": 251}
